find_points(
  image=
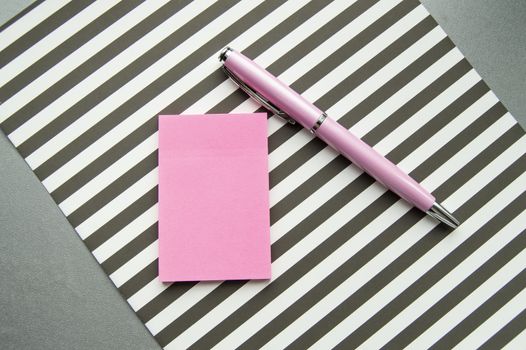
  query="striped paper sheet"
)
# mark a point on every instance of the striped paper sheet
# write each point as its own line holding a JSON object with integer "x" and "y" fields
{"x": 82, "y": 83}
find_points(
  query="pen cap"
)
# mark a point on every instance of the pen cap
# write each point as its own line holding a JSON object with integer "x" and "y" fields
{"x": 271, "y": 88}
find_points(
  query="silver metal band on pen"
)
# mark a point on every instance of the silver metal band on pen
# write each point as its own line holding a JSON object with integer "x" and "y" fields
{"x": 320, "y": 121}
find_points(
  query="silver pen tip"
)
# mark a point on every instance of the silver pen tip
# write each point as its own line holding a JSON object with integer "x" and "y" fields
{"x": 440, "y": 213}
{"x": 223, "y": 55}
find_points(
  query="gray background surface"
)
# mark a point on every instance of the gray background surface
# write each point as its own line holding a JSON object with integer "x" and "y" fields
{"x": 53, "y": 294}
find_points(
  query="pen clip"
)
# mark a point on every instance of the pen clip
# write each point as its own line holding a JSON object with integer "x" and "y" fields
{"x": 257, "y": 96}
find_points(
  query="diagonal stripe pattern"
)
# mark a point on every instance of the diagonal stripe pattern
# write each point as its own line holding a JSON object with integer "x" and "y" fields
{"x": 353, "y": 266}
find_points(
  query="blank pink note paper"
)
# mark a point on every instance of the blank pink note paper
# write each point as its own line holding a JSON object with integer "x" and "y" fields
{"x": 213, "y": 197}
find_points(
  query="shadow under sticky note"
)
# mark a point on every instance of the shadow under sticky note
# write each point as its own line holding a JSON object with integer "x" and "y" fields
{"x": 213, "y": 197}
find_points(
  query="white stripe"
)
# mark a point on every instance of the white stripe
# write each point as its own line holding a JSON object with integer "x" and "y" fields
{"x": 71, "y": 62}
{"x": 424, "y": 115}
{"x": 411, "y": 274}
{"x": 241, "y": 295}
{"x": 308, "y": 281}
{"x": 30, "y": 20}
{"x": 493, "y": 324}
{"x": 292, "y": 145}
{"x": 504, "y": 160}
{"x": 135, "y": 265}
{"x": 147, "y": 293}
{"x": 128, "y": 90}
{"x": 440, "y": 289}
{"x": 472, "y": 301}
{"x": 467, "y": 116}
{"x": 52, "y": 40}
{"x": 110, "y": 174}
{"x": 313, "y": 202}
{"x": 476, "y": 146}
{"x": 350, "y": 174}
{"x": 126, "y": 234}
{"x": 410, "y": 90}
{"x": 180, "y": 303}
{"x": 118, "y": 204}
{"x": 208, "y": 101}
{"x": 138, "y": 118}
{"x": 517, "y": 343}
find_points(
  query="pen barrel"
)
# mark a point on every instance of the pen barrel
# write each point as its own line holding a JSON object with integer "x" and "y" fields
{"x": 375, "y": 164}
{"x": 272, "y": 89}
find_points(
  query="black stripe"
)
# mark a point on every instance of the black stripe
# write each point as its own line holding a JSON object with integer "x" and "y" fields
{"x": 40, "y": 31}
{"x": 118, "y": 186}
{"x": 490, "y": 306}
{"x": 127, "y": 289}
{"x": 441, "y": 119}
{"x": 284, "y": 281}
{"x": 506, "y": 333}
{"x": 122, "y": 219}
{"x": 444, "y": 154}
{"x": 149, "y": 273}
{"x": 21, "y": 14}
{"x": 362, "y": 109}
{"x": 420, "y": 100}
{"x": 513, "y": 134}
{"x": 169, "y": 295}
{"x": 103, "y": 162}
{"x": 60, "y": 52}
{"x": 431, "y": 277}
{"x": 183, "y": 102}
{"x": 134, "y": 247}
{"x": 400, "y": 264}
{"x": 80, "y": 73}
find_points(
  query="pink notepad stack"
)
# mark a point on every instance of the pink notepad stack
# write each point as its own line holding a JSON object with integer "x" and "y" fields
{"x": 213, "y": 197}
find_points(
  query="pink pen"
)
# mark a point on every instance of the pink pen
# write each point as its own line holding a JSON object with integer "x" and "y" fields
{"x": 285, "y": 102}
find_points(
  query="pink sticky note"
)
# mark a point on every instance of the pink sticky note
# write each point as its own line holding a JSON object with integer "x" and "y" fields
{"x": 213, "y": 197}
